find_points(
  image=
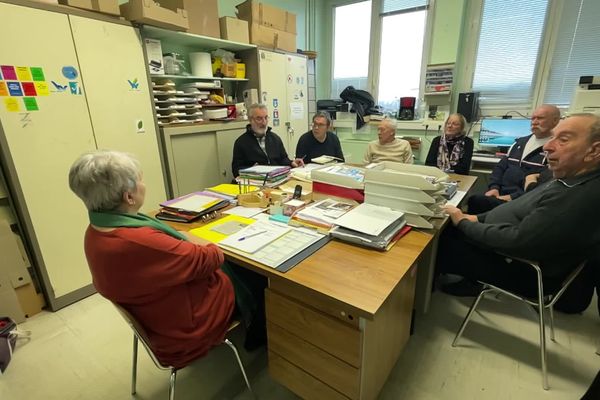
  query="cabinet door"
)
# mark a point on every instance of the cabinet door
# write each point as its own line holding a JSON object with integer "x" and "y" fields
{"x": 225, "y": 141}
{"x": 114, "y": 75}
{"x": 39, "y": 145}
{"x": 297, "y": 99}
{"x": 273, "y": 94}
{"x": 194, "y": 160}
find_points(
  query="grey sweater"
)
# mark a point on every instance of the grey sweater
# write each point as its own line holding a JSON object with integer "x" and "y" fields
{"x": 557, "y": 224}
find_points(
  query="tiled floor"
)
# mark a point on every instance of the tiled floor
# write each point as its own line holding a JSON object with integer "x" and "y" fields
{"x": 84, "y": 352}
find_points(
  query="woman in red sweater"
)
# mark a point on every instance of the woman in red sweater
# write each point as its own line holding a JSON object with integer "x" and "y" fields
{"x": 170, "y": 281}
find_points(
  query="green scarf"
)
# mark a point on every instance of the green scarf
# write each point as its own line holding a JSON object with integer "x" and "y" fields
{"x": 107, "y": 219}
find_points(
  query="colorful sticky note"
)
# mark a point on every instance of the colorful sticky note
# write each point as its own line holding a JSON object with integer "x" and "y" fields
{"x": 28, "y": 88}
{"x": 30, "y": 104}
{"x": 0, "y": 75}
{"x": 14, "y": 88}
{"x": 11, "y": 104}
{"x": 8, "y": 71}
{"x": 37, "y": 73}
{"x": 23, "y": 73}
{"x": 3, "y": 89}
{"x": 41, "y": 88}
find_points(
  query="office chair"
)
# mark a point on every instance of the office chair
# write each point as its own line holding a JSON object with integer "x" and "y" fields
{"x": 140, "y": 334}
{"x": 544, "y": 300}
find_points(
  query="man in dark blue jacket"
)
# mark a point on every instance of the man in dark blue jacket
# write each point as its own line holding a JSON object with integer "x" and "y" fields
{"x": 525, "y": 157}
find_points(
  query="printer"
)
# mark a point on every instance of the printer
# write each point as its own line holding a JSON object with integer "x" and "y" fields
{"x": 587, "y": 95}
{"x": 332, "y": 106}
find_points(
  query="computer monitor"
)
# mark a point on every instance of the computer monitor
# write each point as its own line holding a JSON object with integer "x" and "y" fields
{"x": 503, "y": 132}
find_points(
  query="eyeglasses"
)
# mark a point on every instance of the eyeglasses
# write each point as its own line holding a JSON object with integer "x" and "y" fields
{"x": 265, "y": 118}
{"x": 315, "y": 125}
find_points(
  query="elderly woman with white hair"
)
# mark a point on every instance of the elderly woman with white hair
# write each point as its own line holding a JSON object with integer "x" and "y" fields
{"x": 387, "y": 147}
{"x": 452, "y": 151}
{"x": 173, "y": 283}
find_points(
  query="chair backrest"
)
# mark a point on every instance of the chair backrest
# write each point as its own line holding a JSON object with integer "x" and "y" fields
{"x": 140, "y": 333}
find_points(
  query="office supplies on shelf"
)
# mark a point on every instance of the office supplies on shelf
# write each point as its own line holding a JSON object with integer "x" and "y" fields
{"x": 369, "y": 219}
{"x": 254, "y": 237}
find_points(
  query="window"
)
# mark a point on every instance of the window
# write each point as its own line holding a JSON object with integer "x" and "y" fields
{"x": 576, "y": 52}
{"x": 400, "y": 60}
{"x": 508, "y": 50}
{"x": 395, "y": 69}
{"x": 352, "y": 34}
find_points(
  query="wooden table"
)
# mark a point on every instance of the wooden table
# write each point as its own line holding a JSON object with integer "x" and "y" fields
{"x": 427, "y": 264}
{"x": 338, "y": 321}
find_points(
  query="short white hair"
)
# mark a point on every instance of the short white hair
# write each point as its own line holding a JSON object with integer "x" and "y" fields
{"x": 391, "y": 122}
{"x": 256, "y": 106}
{"x": 100, "y": 178}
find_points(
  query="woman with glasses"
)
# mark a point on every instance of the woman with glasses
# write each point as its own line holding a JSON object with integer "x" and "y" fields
{"x": 452, "y": 151}
{"x": 319, "y": 141}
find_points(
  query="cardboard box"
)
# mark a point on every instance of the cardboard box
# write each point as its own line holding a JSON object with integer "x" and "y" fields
{"x": 9, "y": 303}
{"x": 12, "y": 267}
{"x": 155, "y": 59}
{"x": 203, "y": 15}
{"x": 103, "y": 6}
{"x": 272, "y": 38}
{"x": 148, "y": 12}
{"x": 29, "y": 300}
{"x": 228, "y": 70}
{"x": 234, "y": 29}
{"x": 267, "y": 16}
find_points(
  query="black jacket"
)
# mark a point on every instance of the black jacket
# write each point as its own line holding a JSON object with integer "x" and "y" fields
{"x": 464, "y": 164}
{"x": 508, "y": 175}
{"x": 247, "y": 151}
{"x": 555, "y": 224}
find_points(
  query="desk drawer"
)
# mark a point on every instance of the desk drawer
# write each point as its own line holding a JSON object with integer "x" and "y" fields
{"x": 329, "y": 369}
{"x": 299, "y": 382}
{"x": 336, "y": 338}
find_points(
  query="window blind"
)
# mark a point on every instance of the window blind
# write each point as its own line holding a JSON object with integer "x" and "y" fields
{"x": 394, "y": 6}
{"x": 576, "y": 52}
{"x": 508, "y": 50}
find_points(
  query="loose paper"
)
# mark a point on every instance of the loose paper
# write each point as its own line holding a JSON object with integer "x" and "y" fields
{"x": 30, "y": 104}
{"x": 28, "y": 89}
{"x": 23, "y": 73}
{"x": 3, "y": 89}
{"x": 41, "y": 88}
{"x": 296, "y": 110}
{"x": 9, "y": 72}
{"x": 37, "y": 74}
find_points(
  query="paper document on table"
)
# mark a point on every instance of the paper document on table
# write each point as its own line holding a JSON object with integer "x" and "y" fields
{"x": 254, "y": 237}
{"x": 369, "y": 218}
{"x": 247, "y": 212}
{"x": 194, "y": 202}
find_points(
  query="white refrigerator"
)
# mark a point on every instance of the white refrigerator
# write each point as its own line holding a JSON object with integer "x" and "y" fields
{"x": 282, "y": 83}
{"x": 72, "y": 85}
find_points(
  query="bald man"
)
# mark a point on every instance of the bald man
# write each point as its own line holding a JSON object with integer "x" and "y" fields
{"x": 525, "y": 157}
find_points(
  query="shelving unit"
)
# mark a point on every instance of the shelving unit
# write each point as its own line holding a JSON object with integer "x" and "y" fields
{"x": 191, "y": 40}
{"x": 197, "y": 78}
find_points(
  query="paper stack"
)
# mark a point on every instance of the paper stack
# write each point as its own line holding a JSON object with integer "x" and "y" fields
{"x": 264, "y": 175}
{"x": 191, "y": 207}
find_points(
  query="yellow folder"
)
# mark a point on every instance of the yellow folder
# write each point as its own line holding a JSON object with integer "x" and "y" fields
{"x": 214, "y": 231}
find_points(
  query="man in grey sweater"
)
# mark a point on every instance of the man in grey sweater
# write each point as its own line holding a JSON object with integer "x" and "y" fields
{"x": 557, "y": 224}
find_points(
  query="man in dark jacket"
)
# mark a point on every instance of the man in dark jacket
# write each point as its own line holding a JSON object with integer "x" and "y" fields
{"x": 319, "y": 141}
{"x": 555, "y": 224}
{"x": 525, "y": 157}
{"x": 259, "y": 145}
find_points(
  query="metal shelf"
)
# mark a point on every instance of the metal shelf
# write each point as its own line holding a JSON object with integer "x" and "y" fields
{"x": 198, "y": 78}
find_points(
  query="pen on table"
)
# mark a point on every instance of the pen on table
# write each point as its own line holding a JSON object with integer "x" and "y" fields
{"x": 251, "y": 235}
{"x": 265, "y": 180}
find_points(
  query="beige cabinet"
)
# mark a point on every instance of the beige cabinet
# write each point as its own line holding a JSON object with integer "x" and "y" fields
{"x": 199, "y": 156}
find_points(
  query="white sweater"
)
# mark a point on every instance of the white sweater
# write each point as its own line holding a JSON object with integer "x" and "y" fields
{"x": 398, "y": 150}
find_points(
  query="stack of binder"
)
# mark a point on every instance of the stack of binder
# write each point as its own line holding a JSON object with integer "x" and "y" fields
{"x": 370, "y": 226}
{"x": 264, "y": 175}
{"x": 416, "y": 190}
{"x": 191, "y": 207}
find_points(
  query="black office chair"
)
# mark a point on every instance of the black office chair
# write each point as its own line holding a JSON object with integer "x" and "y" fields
{"x": 544, "y": 300}
{"x": 140, "y": 334}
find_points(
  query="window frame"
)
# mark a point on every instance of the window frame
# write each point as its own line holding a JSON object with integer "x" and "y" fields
{"x": 375, "y": 44}
{"x": 471, "y": 31}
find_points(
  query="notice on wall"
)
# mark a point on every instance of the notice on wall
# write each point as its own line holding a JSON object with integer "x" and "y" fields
{"x": 296, "y": 110}
{"x": 11, "y": 104}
